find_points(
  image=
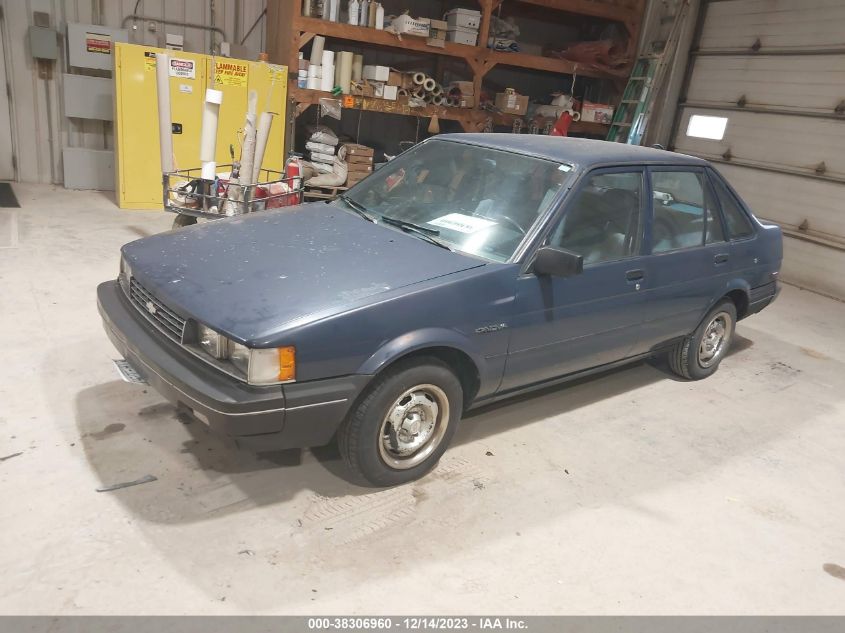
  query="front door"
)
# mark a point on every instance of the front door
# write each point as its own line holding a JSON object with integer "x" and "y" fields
{"x": 564, "y": 325}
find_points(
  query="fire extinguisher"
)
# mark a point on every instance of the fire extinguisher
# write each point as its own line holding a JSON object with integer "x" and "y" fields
{"x": 293, "y": 177}
{"x": 293, "y": 171}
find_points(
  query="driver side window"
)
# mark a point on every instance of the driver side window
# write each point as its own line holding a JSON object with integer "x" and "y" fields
{"x": 603, "y": 222}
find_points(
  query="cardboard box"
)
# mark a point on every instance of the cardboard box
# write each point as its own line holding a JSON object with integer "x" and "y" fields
{"x": 353, "y": 177}
{"x": 512, "y": 103}
{"x": 436, "y": 42}
{"x": 362, "y": 89}
{"x": 390, "y": 93}
{"x": 464, "y": 18}
{"x": 438, "y": 25}
{"x": 376, "y": 73}
{"x": 394, "y": 78}
{"x": 353, "y": 149}
{"x": 359, "y": 168}
{"x": 460, "y": 35}
{"x": 466, "y": 101}
{"x": 357, "y": 158}
{"x": 406, "y": 25}
{"x": 596, "y": 112}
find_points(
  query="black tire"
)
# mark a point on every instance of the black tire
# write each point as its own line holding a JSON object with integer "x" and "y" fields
{"x": 183, "y": 220}
{"x": 361, "y": 440}
{"x": 689, "y": 360}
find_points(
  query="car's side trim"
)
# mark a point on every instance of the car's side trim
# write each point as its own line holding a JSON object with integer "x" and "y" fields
{"x": 317, "y": 404}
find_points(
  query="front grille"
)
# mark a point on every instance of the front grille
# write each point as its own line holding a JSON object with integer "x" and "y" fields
{"x": 159, "y": 314}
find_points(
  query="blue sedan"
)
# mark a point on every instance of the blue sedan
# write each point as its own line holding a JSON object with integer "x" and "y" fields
{"x": 471, "y": 268}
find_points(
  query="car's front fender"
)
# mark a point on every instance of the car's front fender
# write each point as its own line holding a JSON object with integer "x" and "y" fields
{"x": 489, "y": 368}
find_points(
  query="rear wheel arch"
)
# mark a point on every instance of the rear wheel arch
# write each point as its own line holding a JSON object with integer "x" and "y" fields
{"x": 740, "y": 301}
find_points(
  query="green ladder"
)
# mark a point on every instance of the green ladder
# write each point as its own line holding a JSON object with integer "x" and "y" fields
{"x": 626, "y": 125}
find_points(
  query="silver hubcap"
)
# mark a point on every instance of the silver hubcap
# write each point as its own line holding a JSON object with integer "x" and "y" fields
{"x": 414, "y": 426}
{"x": 715, "y": 341}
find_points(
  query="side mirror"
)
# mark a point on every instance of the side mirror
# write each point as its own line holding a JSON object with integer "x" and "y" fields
{"x": 557, "y": 262}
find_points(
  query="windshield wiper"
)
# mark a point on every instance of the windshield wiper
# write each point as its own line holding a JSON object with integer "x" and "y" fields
{"x": 417, "y": 229}
{"x": 357, "y": 207}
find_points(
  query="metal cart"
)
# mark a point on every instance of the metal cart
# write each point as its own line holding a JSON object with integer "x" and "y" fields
{"x": 190, "y": 197}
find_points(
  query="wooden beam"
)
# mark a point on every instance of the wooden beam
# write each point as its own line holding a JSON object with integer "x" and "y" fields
{"x": 281, "y": 47}
{"x": 305, "y": 38}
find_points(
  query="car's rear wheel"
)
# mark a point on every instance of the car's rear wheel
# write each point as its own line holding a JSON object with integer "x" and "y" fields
{"x": 699, "y": 355}
{"x": 403, "y": 423}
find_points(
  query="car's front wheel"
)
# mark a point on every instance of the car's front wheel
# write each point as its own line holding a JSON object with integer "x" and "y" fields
{"x": 699, "y": 355}
{"x": 403, "y": 422}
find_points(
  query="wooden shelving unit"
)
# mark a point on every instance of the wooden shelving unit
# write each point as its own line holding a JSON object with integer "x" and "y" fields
{"x": 289, "y": 32}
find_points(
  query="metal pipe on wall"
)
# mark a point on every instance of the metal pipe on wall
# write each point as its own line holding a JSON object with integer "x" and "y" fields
{"x": 187, "y": 25}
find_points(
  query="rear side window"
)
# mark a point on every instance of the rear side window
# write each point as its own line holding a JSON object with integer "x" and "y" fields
{"x": 737, "y": 222}
{"x": 685, "y": 214}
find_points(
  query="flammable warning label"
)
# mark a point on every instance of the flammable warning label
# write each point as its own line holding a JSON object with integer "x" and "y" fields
{"x": 230, "y": 74}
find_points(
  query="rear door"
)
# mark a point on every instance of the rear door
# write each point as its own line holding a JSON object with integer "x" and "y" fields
{"x": 564, "y": 325}
{"x": 689, "y": 261}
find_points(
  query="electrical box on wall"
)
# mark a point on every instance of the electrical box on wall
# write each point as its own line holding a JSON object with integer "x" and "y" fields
{"x": 138, "y": 175}
{"x": 91, "y": 46}
{"x": 43, "y": 42}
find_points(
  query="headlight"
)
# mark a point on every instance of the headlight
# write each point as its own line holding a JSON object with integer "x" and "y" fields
{"x": 214, "y": 344}
{"x": 124, "y": 276}
{"x": 264, "y": 366}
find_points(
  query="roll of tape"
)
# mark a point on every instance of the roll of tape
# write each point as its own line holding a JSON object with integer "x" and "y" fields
{"x": 419, "y": 78}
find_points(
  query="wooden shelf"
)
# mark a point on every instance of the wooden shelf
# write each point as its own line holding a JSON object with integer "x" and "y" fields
{"x": 289, "y": 31}
{"x": 595, "y": 8}
{"x": 576, "y": 127}
{"x": 366, "y": 35}
{"x": 372, "y": 104}
{"x": 547, "y": 64}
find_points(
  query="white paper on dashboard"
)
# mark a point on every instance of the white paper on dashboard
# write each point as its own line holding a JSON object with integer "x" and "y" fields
{"x": 463, "y": 223}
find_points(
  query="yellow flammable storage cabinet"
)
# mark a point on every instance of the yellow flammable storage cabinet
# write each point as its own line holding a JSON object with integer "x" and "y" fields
{"x": 139, "y": 182}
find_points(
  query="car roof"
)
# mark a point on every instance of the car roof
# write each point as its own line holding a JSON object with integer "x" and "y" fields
{"x": 584, "y": 153}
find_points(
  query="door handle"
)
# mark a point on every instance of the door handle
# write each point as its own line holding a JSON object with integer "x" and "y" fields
{"x": 635, "y": 275}
{"x": 720, "y": 258}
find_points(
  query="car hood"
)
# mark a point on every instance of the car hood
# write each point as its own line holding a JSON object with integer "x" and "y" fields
{"x": 250, "y": 275}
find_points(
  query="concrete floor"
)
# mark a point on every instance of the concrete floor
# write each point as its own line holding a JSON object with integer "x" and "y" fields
{"x": 627, "y": 493}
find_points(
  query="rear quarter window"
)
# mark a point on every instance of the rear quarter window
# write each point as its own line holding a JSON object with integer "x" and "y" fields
{"x": 737, "y": 222}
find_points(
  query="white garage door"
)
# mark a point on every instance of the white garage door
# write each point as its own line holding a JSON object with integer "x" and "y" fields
{"x": 775, "y": 69}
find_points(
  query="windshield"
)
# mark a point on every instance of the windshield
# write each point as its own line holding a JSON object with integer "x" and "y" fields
{"x": 472, "y": 199}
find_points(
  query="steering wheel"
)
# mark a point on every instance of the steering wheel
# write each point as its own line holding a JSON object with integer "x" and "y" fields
{"x": 510, "y": 221}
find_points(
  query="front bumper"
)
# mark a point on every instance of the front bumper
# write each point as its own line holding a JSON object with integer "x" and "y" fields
{"x": 294, "y": 415}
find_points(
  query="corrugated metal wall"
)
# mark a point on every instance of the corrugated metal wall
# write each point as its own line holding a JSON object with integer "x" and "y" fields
{"x": 776, "y": 70}
{"x": 39, "y": 128}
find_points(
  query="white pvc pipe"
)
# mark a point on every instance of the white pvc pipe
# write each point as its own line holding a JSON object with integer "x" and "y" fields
{"x": 263, "y": 133}
{"x": 165, "y": 125}
{"x": 327, "y": 81}
{"x": 248, "y": 152}
{"x": 208, "y": 140}
{"x": 317, "y": 49}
